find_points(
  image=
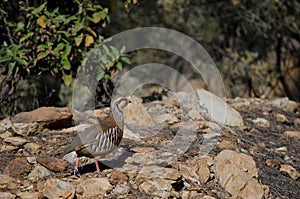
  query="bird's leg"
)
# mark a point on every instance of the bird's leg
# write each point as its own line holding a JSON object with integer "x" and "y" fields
{"x": 98, "y": 167}
{"x": 76, "y": 171}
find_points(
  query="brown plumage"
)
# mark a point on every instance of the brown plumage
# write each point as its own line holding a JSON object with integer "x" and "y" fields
{"x": 100, "y": 140}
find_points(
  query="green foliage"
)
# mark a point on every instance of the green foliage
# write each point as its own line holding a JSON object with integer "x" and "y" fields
{"x": 247, "y": 75}
{"x": 53, "y": 40}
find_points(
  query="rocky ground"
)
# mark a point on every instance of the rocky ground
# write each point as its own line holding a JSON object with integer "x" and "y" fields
{"x": 179, "y": 147}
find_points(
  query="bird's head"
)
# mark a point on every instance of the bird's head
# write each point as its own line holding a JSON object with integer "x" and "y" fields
{"x": 120, "y": 101}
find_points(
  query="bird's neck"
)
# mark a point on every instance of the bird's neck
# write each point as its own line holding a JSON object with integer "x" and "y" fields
{"x": 118, "y": 116}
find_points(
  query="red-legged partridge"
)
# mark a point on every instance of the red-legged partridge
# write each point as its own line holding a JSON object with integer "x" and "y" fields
{"x": 96, "y": 141}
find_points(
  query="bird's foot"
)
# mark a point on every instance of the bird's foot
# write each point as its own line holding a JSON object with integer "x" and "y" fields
{"x": 100, "y": 174}
{"x": 77, "y": 173}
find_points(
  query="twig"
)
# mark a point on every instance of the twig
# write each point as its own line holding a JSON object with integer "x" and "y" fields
{"x": 8, "y": 31}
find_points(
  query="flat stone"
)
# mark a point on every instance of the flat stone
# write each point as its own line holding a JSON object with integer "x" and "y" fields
{"x": 6, "y": 134}
{"x": 154, "y": 172}
{"x": 143, "y": 149}
{"x": 291, "y": 171}
{"x": 197, "y": 169}
{"x": 157, "y": 187}
{"x": 7, "y": 182}
{"x": 7, "y": 195}
{"x": 29, "y": 195}
{"x": 93, "y": 188}
{"x": 24, "y": 129}
{"x": 218, "y": 110}
{"x": 16, "y": 141}
{"x": 237, "y": 174}
{"x": 32, "y": 148}
{"x": 281, "y": 150}
{"x": 225, "y": 144}
{"x": 273, "y": 163}
{"x": 118, "y": 177}
{"x": 5, "y": 124}
{"x": 191, "y": 125}
{"x": 55, "y": 188}
{"x": 39, "y": 172}
{"x": 281, "y": 118}
{"x": 165, "y": 118}
{"x": 52, "y": 117}
{"x": 18, "y": 167}
{"x": 195, "y": 115}
{"x": 285, "y": 104}
{"x": 262, "y": 122}
{"x": 31, "y": 160}
{"x": 54, "y": 164}
{"x": 293, "y": 134}
{"x": 8, "y": 148}
{"x": 121, "y": 189}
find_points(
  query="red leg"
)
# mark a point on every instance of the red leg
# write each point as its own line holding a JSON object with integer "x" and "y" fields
{"x": 97, "y": 166}
{"x": 76, "y": 172}
{"x": 77, "y": 162}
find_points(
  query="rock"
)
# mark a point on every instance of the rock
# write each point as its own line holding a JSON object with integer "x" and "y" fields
{"x": 291, "y": 171}
{"x": 281, "y": 150}
{"x": 32, "y": 148}
{"x": 188, "y": 101}
{"x": 218, "y": 110}
{"x": 293, "y": 134}
{"x": 31, "y": 160}
{"x": 7, "y": 195}
{"x": 281, "y": 118}
{"x": 118, "y": 177}
{"x": 39, "y": 172}
{"x": 52, "y": 117}
{"x": 18, "y": 167}
{"x": 70, "y": 157}
{"x": 189, "y": 194}
{"x": 54, "y": 164}
{"x": 5, "y": 124}
{"x": 29, "y": 195}
{"x": 143, "y": 149}
{"x": 273, "y": 163}
{"x": 130, "y": 169}
{"x": 136, "y": 114}
{"x": 8, "y": 148}
{"x": 196, "y": 169}
{"x": 285, "y": 104}
{"x": 16, "y": 141}
{"x": 261, "y": 122}
{"x": 165, "y": 118}
{"x": 195, "y": 115}
{"x": 93, "y": 188}
{"x": 5, "y": 134}
{"x": 154, "y": 172}
{"x": 207, "y": 197}
{"x": 25, "y": 129}
{"x": 157, "y": 187}
{"x": 237, "y": 174}
{"x": 55, "y": 188}
{"x": 121, "y": 189}
{"x": 191, "y": 125}
{"x": 224, "y": 144}
{"x": 7, "y": 182}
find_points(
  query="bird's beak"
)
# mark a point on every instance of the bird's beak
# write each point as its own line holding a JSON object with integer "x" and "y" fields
{"x": 128, "y": 101}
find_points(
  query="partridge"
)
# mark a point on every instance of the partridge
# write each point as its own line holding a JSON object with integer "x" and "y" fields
{"x": 100, "y": 140}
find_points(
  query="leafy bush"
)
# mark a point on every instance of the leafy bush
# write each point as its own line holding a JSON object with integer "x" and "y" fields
{"x": 48, "y": 41}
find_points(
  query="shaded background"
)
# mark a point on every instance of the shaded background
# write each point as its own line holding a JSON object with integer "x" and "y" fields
{"x": 255, "y": 45}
